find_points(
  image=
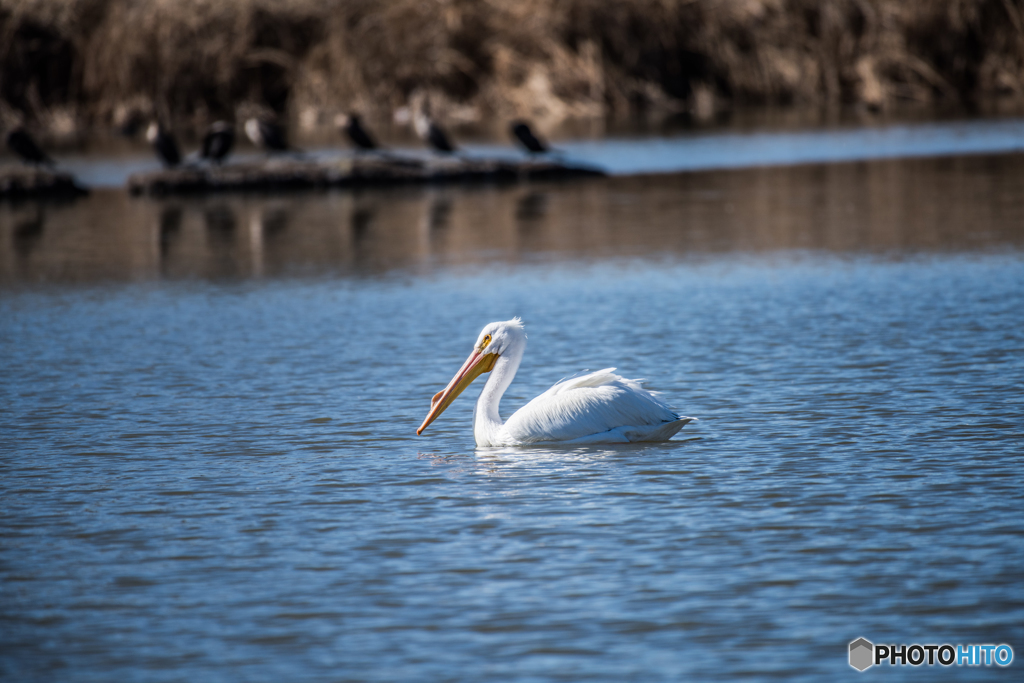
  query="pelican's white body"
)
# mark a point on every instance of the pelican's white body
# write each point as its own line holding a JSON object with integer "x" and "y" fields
{"x": 600, "y": 407}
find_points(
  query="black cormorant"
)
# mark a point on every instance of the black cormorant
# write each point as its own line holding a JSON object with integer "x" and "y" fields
{"x": 432, "y": 134}
{"x": 22, "y": 144}
{"x": 218, "y": 141}
{"x": 352, "y": 126}
{"x": 524, "y": 136}
{"x": 164, "y": 144}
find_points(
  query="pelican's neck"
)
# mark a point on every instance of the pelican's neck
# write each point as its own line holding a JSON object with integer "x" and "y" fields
{"x": 486, "y": 420}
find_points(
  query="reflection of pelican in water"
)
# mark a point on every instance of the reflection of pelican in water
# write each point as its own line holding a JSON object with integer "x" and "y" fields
{"x": 600, "y": 407}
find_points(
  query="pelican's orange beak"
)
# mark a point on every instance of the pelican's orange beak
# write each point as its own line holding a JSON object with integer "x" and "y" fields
{"x": 477, "y": 364}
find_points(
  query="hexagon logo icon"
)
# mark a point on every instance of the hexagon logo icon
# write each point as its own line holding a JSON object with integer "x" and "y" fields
{"x": 861, "y": 654}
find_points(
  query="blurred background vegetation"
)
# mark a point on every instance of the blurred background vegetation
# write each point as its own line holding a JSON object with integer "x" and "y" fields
{"x": 68, "y": 65}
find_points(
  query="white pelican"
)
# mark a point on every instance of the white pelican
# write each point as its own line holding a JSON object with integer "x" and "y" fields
{"x": 600, "y": 407}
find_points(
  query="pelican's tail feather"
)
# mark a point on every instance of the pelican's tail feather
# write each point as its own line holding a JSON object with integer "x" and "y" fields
{"x": 662, "y": 432}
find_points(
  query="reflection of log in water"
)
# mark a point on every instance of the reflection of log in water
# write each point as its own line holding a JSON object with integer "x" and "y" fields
{"x": 884, "y": 206}
{"x": 294, "y": 174}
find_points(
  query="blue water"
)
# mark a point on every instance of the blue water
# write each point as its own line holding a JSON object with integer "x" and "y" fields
{"x": 694, "y": 151}
{"x": 741, "y": 150}
{"x": 210, "y": 469}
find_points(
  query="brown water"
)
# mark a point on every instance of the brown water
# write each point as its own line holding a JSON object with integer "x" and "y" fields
{"x": 872, "y": 207}
{"x": 208, "y": 411}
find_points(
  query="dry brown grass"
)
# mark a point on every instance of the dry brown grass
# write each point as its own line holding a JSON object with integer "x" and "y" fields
{"x": 66, "y": 63}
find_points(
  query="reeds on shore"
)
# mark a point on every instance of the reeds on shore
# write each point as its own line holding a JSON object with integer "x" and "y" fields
{"x": 65, "y": 64}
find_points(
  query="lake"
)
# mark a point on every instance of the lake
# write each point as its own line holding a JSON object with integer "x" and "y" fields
{"x": 209, "y": 405}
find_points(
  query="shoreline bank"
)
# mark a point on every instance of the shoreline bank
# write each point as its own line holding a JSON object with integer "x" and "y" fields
{"x": 69, "y": 66}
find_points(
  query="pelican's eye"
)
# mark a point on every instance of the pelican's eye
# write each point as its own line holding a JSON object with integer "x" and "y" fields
{"x": 485, "y": 342}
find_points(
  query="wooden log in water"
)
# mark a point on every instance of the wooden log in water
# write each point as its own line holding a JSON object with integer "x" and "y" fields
{"x": 285, "y": 173}
{"x": 18, "y": 181}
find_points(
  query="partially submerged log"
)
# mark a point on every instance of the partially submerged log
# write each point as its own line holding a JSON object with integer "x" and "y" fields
{"x": 35, "y": 181}
{"x": 285, "y": 173}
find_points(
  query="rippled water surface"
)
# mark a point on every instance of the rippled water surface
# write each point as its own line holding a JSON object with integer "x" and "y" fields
{"x": 210, "y": 469}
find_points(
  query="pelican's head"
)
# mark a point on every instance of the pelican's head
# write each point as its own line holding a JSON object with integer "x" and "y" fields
{"x": 498, "y": 338}
{"x": 494, "y": 340}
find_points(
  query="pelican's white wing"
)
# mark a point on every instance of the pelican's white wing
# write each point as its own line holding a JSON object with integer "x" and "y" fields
{"x": 600, "y": 407}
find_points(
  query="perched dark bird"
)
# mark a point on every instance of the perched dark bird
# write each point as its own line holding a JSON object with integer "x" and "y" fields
{"x": 218, "y": 141}
{"x": 524, "y": 136}
{"x": 22, "y": 144}
{"x": 431, "y": 133}
{"x": 267, "y": 134}
{"x": 164, "y": 144}
{"x": 352, "y": 126}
